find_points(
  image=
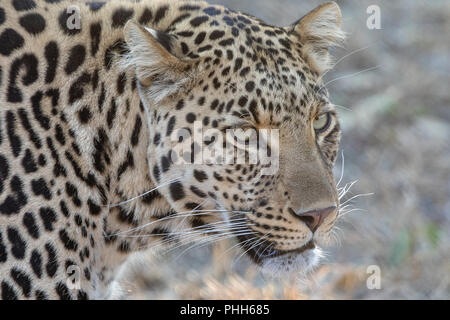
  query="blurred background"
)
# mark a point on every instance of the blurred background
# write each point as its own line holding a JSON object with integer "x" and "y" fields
{"x": 392, "y": 88}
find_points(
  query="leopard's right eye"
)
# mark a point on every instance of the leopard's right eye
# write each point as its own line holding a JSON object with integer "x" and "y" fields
{"x": 322, "y": 122}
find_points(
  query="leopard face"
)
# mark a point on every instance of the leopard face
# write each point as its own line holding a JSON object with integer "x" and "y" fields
{"x": 242, "y": 74}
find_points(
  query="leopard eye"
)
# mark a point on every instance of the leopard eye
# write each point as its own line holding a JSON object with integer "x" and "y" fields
{"x": 322, "y": 122}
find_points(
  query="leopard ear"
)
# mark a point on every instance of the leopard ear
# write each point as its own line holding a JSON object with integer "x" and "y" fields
{"x": 320, "y": 30}
{"x": 152, "y": 54}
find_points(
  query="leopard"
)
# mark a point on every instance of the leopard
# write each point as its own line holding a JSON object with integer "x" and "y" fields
{"x": 93, "y": 96}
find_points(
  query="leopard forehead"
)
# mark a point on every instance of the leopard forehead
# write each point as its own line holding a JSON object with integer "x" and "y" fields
{"x": 236, "y": 59}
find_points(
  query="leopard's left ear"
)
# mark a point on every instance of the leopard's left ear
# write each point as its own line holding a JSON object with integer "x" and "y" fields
{"x": 155, "y": 57}
{"x": 318, "y": 31}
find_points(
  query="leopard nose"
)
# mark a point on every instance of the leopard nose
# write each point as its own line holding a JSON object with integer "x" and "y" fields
{"x": 314, "y": 218}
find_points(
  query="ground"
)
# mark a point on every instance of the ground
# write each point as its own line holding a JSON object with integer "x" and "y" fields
{"x": 396, "y": 143}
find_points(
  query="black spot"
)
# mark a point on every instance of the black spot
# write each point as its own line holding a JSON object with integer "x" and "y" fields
{"x": 198, "y": 192}
{"x": 82, "y": 295}
{"x": 72, "y": 192}
{"x": 226, "y": 42}
{"x": 17, "y": 244}
{"x": 95, "y": 80}
{"x": 2, "y": 16}
{"x": 84, "y": 114}
{"x": 249, "y": 86}
{"x": 180, "y": 105}
{"x": 40, "y": 188}
{"x": 198, "y": 21}
{"x": 76, "y": 58}
{"x": 216, "y": 34}
{"x": 43, "y": 120}
{"x": 160, "y": 14}
{"x": 121, "y": 82}
{"x": 146, "y": 16}
{"x": 62, "y": 291}
{"x": 157, "y": 139}
{"x": 51, "y": 53}
{"x": 237, "y": 64}
{"x": 48, "y": 217}
{"x": 95, "y": 32}
{"x": 8, "y": 292}
{"x": 64, "y": 208}
{"x": 101, "y": 150}
{"x": 211, "y": 11}
{"x": 3, "y": 253}
{"x": 176, "y": 191}
{"x": 200, "y": 175}
{"x": 119, "y": 46}
{"x": 10, "y": 41}
{"x": 95, "y": 6}
{"x": 200, "y": 37}
{"x": 127, "y": 163}
{"x": 30, "y": 62}
{"x": 76, "y": 89}
{"x": 242, "y": 101}
{"x": 150, "y": 197}
{"x": 190, "y": 117}
{"x": 253, "y": 108}
{"x": 101, "y": 98}
{"x": 156, "y": 172}
{"x": 136, "y": 131}
{"x": 23, "y": 5}
{"x": 33, "y": 23}
{"x": 170, "y": 126}
{"x": 214, "y": 104}
{"x": 189, "y": 7}
{"x": 22, "y": 280}
{"x": 111, "y": 113}
{"x": 162, "y": 232}
{"x": 28, "y": 162}
{"x": 124, "y": 246}
{"x": 14, "y": 140}
{"x": 217, "y": 176}
{"x": 27, "y": 125}
{"x": 52, "y": 262}
{"x": 40, "y": 295}
{"x": 179, "y": 19}
{"x": 244, "y": 71}
{"x": 30, "y": 224}
{"x": 14, "y": 202}
{"x": 185, "y": 34}
{"x": 94, "y": 208}
{"x": 285, "y": 43}
{"x": 165, "y": 163}
{"x": 59, "y": 134}
{"x": 121, "y": 16}
{"x": 69, "y": 244}
{"x": 68, "y": 22}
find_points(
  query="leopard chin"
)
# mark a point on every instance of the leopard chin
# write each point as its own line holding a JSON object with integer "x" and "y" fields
{"x": 279, "y": 263}
{"x": 291, "y": 263}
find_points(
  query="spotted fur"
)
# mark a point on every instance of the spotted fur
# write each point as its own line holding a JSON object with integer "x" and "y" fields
{"x": 86, "y": 119}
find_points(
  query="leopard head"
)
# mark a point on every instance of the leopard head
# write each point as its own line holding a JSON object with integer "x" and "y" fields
{"x": 221, "y": 78}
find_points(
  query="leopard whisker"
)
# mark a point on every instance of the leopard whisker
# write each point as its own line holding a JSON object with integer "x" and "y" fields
{"x": 174, "y": 216}
{"x": 353, "y": 74}
{"x": 145, "y": 193}
{"x": 344, "y": 57}
{"x": 188, "y": 231}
